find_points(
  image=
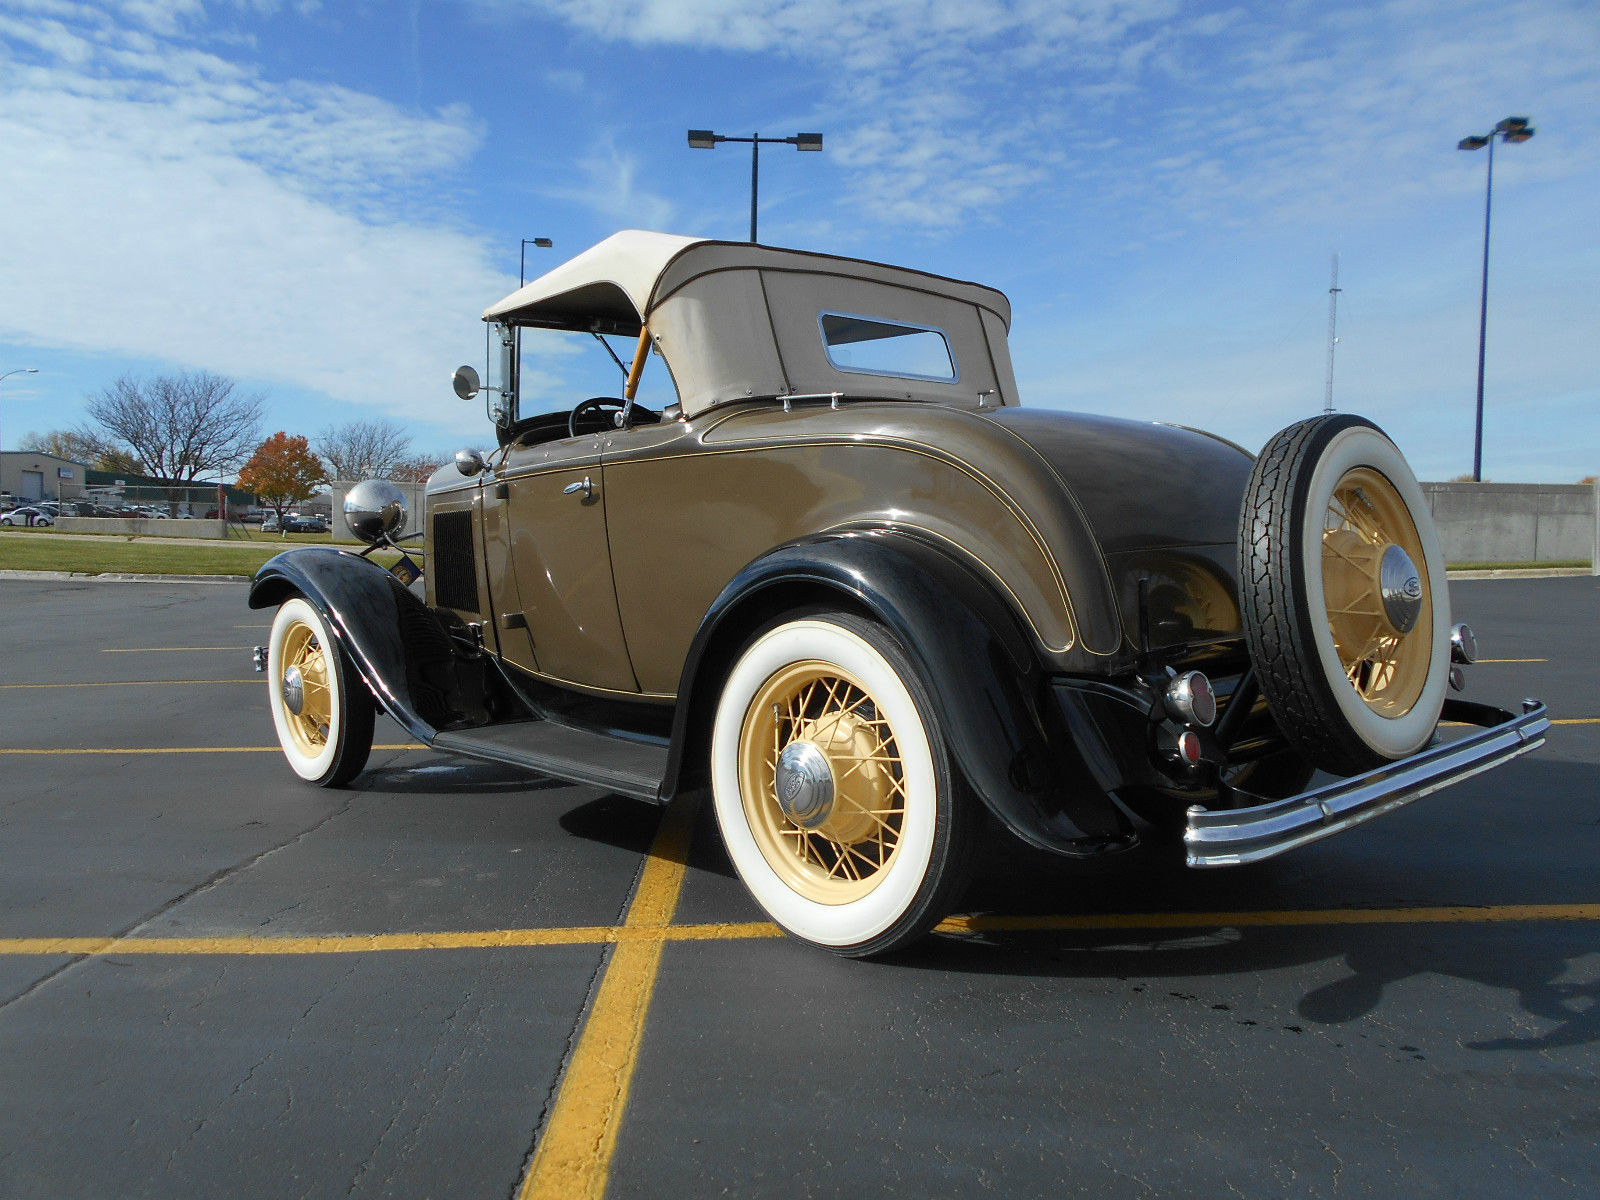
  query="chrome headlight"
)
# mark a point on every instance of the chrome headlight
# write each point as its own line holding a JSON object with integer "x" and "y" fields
{"x": 375, "y": 509}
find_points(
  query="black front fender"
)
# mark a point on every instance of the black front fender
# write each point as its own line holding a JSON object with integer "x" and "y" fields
{"x": 967, "y": 646}
{"x": 396, "y": 643}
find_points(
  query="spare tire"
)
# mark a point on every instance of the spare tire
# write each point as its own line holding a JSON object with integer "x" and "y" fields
{"x": 1343, "y": 595}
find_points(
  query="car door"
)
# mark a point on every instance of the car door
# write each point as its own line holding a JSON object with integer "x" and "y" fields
{"x": 555, "y": 524}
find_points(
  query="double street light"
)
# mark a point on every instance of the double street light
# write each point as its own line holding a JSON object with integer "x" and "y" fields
{"x": 1514, "y": 130}
{"x": 704, "y": 139}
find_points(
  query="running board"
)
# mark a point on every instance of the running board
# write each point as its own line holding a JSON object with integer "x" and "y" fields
{"x": 603, "y": 760}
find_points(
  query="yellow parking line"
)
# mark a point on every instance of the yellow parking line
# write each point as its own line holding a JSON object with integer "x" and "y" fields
{"x": 128, "y": 683}
{"x": 645, "y": 932}
{"x": 187, "y": 749}
{"x": 573, "y": 1155}
{"x": 1444, "y": 915}
{"x": 1553, "y": 721}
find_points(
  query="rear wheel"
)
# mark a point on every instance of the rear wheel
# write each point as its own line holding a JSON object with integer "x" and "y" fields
{"x": 320, "y": 704}
{"x": 833, "y": 787}
{"x": 1345, "y": 607}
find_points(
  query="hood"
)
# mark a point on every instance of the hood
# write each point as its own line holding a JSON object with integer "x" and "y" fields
{"x": 1163, "y": 503}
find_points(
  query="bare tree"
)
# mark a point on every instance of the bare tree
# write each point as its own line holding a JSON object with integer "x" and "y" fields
{"x": 363, "y": 449}
{"x": 79, "y": 445}
{"x": 416, "y": 468}
{"x": 179, "y": 426}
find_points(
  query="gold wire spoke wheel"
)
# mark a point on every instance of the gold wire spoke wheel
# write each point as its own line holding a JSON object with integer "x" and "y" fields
{"x": 822, "y": 782}
{"x": 304, "y": 680}
{"x": 321, "y": 706}
{"x": 1377, "y": 593}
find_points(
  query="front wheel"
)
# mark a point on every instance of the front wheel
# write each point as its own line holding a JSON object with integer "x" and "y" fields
{"x": 320, "y": 704}
{"x": 833, "y": 787}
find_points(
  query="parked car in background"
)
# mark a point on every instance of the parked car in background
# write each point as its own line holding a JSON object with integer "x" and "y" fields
{"x": 27, "y": 516}
{"x": 845, "y": 578}
{"x": 269, "y": 523}
{"x": 309, "y": 523}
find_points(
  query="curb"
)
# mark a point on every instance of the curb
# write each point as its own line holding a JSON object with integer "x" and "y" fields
{"x": 122, "y": 577}
{"x": 1523, "y": 573}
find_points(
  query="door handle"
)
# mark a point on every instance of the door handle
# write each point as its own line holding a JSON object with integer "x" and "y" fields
{"x": 583, "y": 485}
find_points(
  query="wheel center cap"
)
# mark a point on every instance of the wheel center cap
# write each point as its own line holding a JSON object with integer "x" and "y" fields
{"x": 805, "y": 784}
{"x": 294, "y": 691}
{"x": 1400, "y": 586}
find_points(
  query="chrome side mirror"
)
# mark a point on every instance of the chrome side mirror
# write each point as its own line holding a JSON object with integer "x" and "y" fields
{"x": 466, "y": 382}
{"x": 469, "y": 462}
{"x": 375, "y": 510}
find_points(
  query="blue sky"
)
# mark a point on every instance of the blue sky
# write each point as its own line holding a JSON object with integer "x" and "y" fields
{"x": 320, "y": 198}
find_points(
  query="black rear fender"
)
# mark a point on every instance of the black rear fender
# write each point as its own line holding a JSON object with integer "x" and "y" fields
{"x": 968, "y": 646}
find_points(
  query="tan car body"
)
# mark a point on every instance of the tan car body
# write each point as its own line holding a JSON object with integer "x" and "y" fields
{"x": 681, "y": 506}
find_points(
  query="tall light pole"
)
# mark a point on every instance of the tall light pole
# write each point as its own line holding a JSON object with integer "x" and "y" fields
{"x": 522, "y": 278}
{"x": 19, "y": 371}
{"x": 704, "y": 139}
{"x": 1512, "y": 129}
{"x": 522, "y": 264}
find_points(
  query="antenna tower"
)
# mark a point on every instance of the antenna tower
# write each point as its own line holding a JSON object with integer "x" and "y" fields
{"x": 1333, "y": 317}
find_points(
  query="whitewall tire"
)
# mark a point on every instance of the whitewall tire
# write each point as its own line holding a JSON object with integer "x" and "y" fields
{"x": 1345, "y": 603}
{"x": 321, "y": 707}
{"x": 835, "y": 793}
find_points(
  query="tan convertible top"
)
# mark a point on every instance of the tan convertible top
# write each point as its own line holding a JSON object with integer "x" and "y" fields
{"x": 611, "y": 281}
{"x": 735, "y": 319}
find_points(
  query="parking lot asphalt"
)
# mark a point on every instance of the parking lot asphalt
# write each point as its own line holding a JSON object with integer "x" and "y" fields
{"x": 452, "y": 980}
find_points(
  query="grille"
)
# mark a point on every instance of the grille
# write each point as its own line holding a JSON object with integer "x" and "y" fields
{"x": 453, "y": 565}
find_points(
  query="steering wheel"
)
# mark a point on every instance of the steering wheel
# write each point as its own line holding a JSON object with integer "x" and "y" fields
{"x": 595, "y": 404}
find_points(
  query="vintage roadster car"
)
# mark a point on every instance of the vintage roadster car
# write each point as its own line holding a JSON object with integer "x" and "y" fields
{"x": 843, "y": 577}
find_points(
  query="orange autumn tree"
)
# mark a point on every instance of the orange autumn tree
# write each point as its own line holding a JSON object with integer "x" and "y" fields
{"x": 282, "y": 471}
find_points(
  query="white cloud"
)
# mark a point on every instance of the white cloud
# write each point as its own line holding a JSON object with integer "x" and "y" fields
{"x": 611, "y": 188}
{"x": 164, "y": 203}
{"x": 1180, "y": 116}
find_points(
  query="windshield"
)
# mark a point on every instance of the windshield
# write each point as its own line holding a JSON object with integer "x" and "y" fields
{"x": 558, "y": 369}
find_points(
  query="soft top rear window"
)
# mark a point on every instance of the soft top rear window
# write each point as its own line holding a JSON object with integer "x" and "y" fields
{"x": 875, "y": 346}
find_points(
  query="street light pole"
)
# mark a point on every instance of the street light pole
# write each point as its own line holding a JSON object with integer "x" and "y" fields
{"x": 1483, "y": 321}
{"x": 19, "y": 371}
{"x": 522, "y": 264}
{"x": 704, "y": 139}
{"x": 542, "y": 243}
{"x": 755, "y": 181}
{"x": 1512, "y": 129}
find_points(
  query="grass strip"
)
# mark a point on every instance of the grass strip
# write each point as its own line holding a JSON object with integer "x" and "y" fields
{"x": 102, "y": 556}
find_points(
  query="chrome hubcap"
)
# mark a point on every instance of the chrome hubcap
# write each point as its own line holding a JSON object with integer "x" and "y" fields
{"x": 1400, "y": 587}
{"x": 804, "y": 783}
{"x": 294, "y": 691}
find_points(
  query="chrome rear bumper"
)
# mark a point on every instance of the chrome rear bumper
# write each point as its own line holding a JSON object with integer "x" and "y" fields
{"x": 1229, "y": 837}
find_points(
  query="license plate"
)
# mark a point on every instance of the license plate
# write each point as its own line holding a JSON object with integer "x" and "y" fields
{"x": 406, "y": 571}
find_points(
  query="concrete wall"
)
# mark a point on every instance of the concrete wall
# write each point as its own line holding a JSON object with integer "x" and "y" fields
{"x": 1514, "y": 522}
{"x": 144, "y": 526}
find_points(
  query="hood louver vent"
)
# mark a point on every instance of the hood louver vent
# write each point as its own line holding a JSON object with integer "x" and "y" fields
{"x": 454, "y": 564}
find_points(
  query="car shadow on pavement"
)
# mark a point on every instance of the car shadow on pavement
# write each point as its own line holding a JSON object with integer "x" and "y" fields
{"x": 1537, "y": 968}
{"x": 453, "y": 776}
